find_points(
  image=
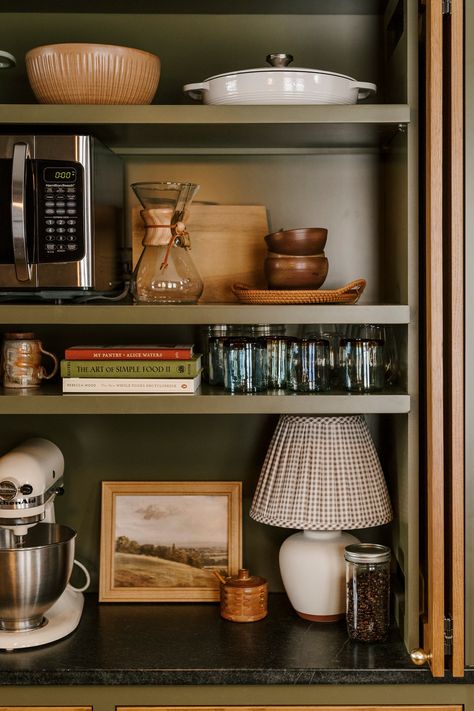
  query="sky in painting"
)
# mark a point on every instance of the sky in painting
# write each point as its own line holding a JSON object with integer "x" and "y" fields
{"x": 164, "y": 520}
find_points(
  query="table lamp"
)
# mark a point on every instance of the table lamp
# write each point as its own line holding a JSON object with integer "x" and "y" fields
{"x": 321, "y": 475}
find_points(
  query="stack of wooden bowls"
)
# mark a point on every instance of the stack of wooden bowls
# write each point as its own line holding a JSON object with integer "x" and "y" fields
{"x": 296, "y": 258}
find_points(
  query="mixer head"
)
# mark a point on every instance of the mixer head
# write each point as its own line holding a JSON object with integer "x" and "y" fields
{"x": 31, "y": 475}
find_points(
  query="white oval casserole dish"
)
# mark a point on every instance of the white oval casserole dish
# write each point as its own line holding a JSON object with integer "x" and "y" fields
{"x": 280, "y": 84}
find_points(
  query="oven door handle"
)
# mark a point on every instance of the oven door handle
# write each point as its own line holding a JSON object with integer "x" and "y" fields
{"x": 22, "y": 267}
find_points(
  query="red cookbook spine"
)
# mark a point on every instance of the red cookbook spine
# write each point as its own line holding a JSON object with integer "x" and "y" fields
{"x": 128, "y": 354}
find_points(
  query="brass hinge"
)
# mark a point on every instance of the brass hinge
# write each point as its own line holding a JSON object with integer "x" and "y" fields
{"x": 448, "y": 636}
{"x": 446, "y": 5}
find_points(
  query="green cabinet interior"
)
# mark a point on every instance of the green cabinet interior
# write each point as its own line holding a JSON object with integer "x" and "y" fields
{"x": 352, "y": 169}
{"x": 168, "y": 448}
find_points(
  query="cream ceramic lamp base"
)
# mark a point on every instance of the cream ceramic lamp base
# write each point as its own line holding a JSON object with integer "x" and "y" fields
{"x": 312, "y": 568}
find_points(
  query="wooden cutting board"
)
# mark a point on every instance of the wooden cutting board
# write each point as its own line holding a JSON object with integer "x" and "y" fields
{"x": 227, "y": 246}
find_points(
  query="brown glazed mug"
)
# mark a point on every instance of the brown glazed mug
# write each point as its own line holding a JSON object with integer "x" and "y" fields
{"x": 21, "y": 361}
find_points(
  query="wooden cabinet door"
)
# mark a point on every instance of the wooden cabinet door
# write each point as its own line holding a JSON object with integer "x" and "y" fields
{"x": 443, "y": 334}
{"x": 433, "y": 631}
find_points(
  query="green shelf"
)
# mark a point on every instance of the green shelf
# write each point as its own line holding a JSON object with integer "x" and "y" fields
{"x": 214, "y": 127}
{"x": 141, "y": 314}
{"x": 48, "y": 400}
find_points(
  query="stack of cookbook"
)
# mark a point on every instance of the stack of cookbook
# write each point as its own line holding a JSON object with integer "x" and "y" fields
{"x": 131, "y": 369}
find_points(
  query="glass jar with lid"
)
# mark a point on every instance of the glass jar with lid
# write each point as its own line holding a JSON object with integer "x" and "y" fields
{"x": 367, "y": 591}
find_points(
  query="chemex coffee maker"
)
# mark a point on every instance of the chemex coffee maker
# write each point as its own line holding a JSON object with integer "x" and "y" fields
{"x": 37, "y": 603}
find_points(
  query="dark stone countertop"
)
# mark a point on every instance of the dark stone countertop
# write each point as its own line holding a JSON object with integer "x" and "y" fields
{"x": 178, "y": 644}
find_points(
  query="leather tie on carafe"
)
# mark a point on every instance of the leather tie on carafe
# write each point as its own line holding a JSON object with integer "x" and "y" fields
{"x": 164, "y": 233}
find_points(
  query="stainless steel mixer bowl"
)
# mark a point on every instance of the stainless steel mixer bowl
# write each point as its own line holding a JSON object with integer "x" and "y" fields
{"x": 34, "y": 576}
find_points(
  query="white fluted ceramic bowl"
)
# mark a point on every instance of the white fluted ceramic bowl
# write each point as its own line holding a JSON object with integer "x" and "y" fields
{"x": 84, "y": 73}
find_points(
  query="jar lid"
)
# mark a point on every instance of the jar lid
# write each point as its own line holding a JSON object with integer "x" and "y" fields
{"x": 244, "y": 580}
{"x": 367, "y": 553}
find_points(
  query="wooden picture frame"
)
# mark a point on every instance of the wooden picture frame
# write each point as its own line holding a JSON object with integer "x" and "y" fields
{"x": 158, "y": 544}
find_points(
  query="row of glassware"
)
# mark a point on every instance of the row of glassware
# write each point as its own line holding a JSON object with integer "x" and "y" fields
{"x": 250, "y": 359}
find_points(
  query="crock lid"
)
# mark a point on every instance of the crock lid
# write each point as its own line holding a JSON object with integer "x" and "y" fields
{"x": 244, "y": 580}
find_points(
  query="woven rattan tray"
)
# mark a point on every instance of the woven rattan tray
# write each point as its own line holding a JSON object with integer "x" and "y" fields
{"x": 348, "y": 294}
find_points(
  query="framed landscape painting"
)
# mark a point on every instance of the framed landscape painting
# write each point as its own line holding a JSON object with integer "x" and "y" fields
{"x": 165, "y": 541}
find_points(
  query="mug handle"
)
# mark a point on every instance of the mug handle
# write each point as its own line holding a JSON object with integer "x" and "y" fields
{"x": 87, "y": 576}
{"x": 43, "y": 373}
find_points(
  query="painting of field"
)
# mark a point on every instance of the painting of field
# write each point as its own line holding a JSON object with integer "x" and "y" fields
{"x": 169, "y": 541}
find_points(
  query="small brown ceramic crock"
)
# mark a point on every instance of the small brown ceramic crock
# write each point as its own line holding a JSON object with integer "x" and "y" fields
{"x": 244, "y": 597}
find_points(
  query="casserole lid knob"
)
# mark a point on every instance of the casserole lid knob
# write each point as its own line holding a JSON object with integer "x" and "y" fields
{"x": 279, "y": 59}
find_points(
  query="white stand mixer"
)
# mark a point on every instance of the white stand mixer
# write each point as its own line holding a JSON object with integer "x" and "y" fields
{"x": 37, "y": 604}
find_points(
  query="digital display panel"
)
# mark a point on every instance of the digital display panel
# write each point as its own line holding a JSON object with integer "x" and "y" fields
{"x": 60, "y": 175}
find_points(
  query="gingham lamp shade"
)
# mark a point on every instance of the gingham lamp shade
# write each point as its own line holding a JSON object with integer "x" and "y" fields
{"x": 322, "y": 474}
